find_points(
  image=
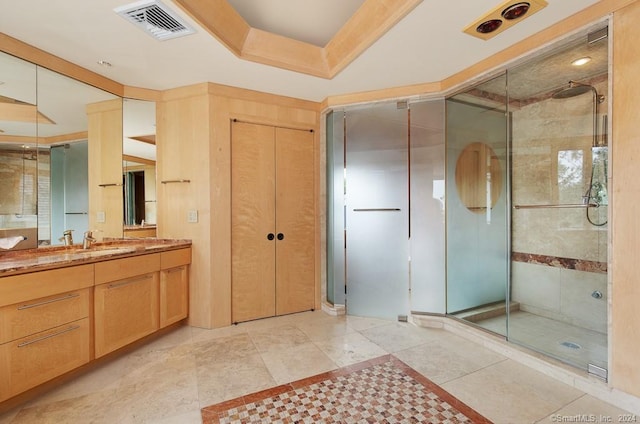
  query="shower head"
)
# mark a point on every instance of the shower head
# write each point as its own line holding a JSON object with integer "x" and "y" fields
{"x": 574, "y": 89}
{"x": 568, "y": 92}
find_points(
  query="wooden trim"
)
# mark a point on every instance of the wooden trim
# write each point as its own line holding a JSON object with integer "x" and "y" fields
{"x": 20, "y": 112}
{"x": 149, "y": 139}
{"x": 139, "y": 93}
{"x": 237, "y": 93}
{"x": 499, "y": 60}
{"x": 82, "y": 135}
{"x": 40, "y": 57}
{"x": 138, "y": 159}
{"x": 282, "y": 52}
{"x": 372, "y": 20}
{"x": 220, "y": 19}
{"x": 429, "y": 88}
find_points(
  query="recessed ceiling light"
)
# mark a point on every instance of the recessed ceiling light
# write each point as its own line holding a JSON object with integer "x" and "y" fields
{"x": 516, "y": 11}
{"x": 581, "y": 61}
{"x": 104, "y": 63}
{"x": 489, "y": 26}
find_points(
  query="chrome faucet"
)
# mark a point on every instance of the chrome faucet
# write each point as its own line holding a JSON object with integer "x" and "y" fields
{"x": 67, "y": 238}
{"x": 87, "y": 239}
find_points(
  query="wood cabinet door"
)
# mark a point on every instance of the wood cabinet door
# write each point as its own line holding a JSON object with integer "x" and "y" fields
{"x": 174, "y": 295}
{"x": 125, "y": 311}
{"x": 252, "y": 221}
{"x": 295, "y": 221}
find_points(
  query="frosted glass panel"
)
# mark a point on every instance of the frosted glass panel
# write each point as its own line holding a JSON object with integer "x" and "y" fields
{"x": 335, "y": 209}
{"x": 427, "y": 207}
{"x": 477, "y": 237}
{"x": 377, "y": 211}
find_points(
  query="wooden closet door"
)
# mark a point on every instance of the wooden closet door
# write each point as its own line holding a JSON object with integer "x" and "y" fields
{"x": 295, "y": 220}
{"x": 252, "y": 219}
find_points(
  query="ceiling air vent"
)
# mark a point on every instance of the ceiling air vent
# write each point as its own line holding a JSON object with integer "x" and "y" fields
{"x": 155, "y": 19}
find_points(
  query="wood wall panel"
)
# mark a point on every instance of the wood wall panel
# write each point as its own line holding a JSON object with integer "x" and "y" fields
{"x": 105, "y": 156}
{"x": 183, "y": 141}
{"x": 625, "y": 226}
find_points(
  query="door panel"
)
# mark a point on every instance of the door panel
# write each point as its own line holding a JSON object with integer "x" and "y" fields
{"x": 252, "y": 219}
{"x": 377, "y": 237}
{"x": 295, "y": 220}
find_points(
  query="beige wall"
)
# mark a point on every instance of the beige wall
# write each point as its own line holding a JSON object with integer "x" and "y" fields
{"x": 625, "y": 223}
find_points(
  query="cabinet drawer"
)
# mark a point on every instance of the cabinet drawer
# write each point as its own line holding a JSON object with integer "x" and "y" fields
{"x": 23, "y": 287}
{"x": 119, "y": 269}
{"x": 125, "y": 311}
{"x": 26, "y": 318}
{"x": 175, "y": 258}
{"x": 33, "y": 360}
{"x": 174, "y": 295}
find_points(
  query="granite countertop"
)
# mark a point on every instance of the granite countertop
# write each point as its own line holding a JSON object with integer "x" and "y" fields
{"x": 42, "y": 258}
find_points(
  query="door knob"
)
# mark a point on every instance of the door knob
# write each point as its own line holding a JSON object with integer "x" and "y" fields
{"x": 280, "y": 236}
{"x": 270, "y": 236}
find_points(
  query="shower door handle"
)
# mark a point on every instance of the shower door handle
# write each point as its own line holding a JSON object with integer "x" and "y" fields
{"x": 377, "y": 210}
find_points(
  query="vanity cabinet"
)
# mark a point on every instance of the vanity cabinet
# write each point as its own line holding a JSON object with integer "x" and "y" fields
{"x": 174, "y": 286}
{"x": 45, "y": 326}
{"x": 126, "y": 301}
{"x": 56, "y": 320}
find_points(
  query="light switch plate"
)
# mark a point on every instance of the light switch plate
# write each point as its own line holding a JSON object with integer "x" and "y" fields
{"x": 101, "y": 217}
{"x": 192, "y": 216}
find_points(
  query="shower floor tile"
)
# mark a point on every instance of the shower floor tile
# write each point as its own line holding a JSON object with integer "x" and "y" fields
{"x": 576, "y": 345}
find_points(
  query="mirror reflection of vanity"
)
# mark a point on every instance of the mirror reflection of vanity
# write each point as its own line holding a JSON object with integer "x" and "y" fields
{"x": 47, "y": 128}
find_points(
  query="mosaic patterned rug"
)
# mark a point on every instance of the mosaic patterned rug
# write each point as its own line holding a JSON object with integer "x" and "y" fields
{"x": 382, "y": 390}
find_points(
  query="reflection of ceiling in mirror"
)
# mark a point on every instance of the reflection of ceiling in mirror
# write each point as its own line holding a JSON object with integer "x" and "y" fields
{"x": 61, "y": 99}
{"x": 139, "y": 123}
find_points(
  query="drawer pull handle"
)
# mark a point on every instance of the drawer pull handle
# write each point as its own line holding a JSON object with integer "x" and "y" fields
{"x": 172, "y": 270}
{"x": 48, "y": 336}
{"x": 46, "y": 302}
{"x": 110, "y": 185}
{"x": 127, "y": 282}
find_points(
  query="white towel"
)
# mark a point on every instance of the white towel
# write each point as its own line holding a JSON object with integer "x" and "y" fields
{"x": 10, "y": 242}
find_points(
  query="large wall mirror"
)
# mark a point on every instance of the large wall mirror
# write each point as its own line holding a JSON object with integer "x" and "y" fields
{"x": 44, "y": 161}
{"x": 139, "y": 167}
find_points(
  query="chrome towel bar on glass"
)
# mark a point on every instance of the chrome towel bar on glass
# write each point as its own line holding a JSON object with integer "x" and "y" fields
{"x": 378, "y": 210}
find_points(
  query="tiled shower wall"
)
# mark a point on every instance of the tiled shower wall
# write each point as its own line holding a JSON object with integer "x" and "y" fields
{"x": 559, "y": 258}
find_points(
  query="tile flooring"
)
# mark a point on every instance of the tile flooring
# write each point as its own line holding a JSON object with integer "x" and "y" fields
{"x": 383, "y": 389}
{"x": 547, "y": 335}
{"x": 168, "y": 380}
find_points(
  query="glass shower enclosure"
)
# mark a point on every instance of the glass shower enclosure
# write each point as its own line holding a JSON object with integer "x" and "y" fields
{"x": 532, "y": 264}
